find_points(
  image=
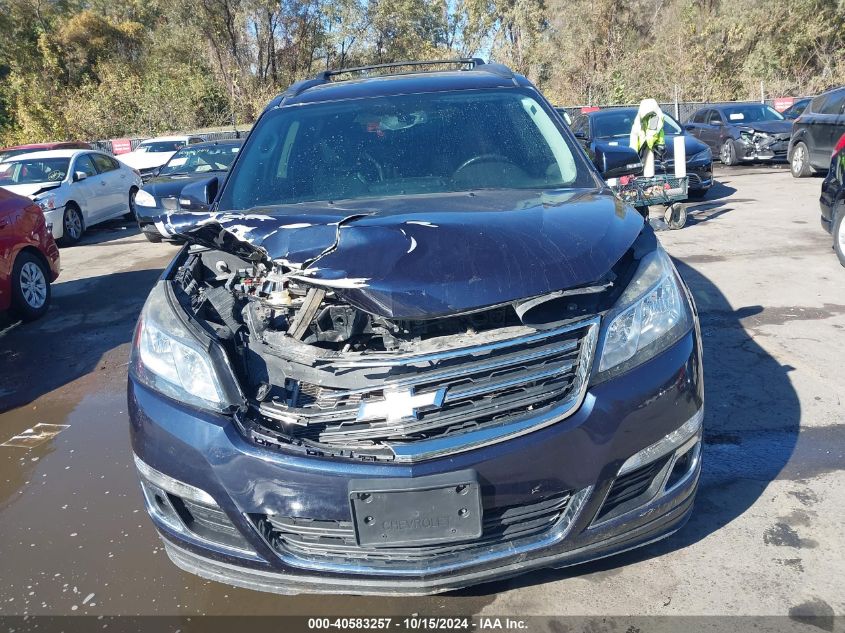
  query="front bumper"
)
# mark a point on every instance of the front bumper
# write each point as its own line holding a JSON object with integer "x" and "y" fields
{"x": 55, "y": 219}
{"x": 763, "y": 148}
{"x": 583, "y": 453}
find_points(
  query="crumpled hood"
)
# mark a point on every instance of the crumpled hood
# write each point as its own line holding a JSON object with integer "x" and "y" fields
{"x": 30, "y": 189}
{"x": 770, "y": 127}
{"x": 429, "y": 256}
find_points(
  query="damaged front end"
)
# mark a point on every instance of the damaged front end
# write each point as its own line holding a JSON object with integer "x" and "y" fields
{"x": 333, "y": 356}
{"x": 756, "y": 144}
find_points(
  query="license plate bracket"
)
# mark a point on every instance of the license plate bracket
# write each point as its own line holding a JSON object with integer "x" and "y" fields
{"x": 402, "y": 512}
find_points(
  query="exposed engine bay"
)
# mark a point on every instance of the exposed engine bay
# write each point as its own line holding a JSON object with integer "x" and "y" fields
{"x": 306, "y": 360}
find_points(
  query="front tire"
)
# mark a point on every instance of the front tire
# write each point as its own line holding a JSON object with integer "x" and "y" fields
{"x": 728, "y": 154}
{"x": 30, "y": 287}
{"x": 73, "y": 225}
{"x": 799, "y": 164}
{"x": 839, "y": 234}
{"x": 132, "y": 193}
{"x": 154, "y": 237}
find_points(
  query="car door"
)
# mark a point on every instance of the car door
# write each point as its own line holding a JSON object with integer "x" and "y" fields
{"x": 693, "y": 125}
{"x": 87, "y": 192}
{"x": 711, "y": 131}
{"x": 116, "y": 185}
{"x": 826, "y": 125}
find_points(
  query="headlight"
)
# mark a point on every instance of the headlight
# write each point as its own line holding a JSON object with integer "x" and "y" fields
{"x": 169, "y": 358}
{"x": 746, "y": 135}
{"x": 144, "y": 199}
{"x": 651, "y": 314}
{"x": 47, "y": 203}
{"x": 704, "y": 156}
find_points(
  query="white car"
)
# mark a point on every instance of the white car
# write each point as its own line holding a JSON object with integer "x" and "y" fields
{"x": 75, "y": 188}
{"x": 155, "y": 152}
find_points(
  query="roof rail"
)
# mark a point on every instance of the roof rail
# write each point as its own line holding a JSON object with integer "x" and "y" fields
{"x": 473, "y": 63}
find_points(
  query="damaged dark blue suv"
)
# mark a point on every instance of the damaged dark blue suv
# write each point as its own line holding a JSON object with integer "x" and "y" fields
{"x": 413, "y": 343}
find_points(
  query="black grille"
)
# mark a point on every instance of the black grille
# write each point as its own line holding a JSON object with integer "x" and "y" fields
{"x": 334, "y": 541}
{"x": 482, "y": 385}
{"x": 633, "y": 489}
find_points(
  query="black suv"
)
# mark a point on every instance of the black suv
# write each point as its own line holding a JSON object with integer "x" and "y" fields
{"x": 414, "y": 343}
{"x": 815, "y": 133}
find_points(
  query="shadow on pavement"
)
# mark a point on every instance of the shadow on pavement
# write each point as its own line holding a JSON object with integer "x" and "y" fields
{"x": 88, "y": 318}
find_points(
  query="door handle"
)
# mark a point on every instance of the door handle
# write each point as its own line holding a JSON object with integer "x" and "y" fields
{"x": 103, "y": 183}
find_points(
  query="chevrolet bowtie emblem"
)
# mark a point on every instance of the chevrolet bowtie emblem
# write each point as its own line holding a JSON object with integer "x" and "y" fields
{"x": 400, "y": 405}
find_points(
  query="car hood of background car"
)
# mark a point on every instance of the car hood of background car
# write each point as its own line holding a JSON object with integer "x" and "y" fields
{"x": 692, "y": 145}
{"x": 31, "y": 189}
{"x": 770, "y": 127}
{"x": 427, "y": 256}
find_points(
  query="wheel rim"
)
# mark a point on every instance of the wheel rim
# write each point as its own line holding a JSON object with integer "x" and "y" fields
{"x": 840, "y": 236}
{"x": 132, "y": 195}
{"x": 798, "y": 159}
{"x": 726, "y": 153}
{"x": 33, "y": 285}
{"x": 73, "y": 224}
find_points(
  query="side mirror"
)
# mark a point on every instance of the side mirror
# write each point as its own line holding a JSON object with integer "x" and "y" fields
{"x": 618, "y": 160}
{"x": 79, "y": 175}
{"x": 199, "y": 195}
{"x": 689, "y": 126}
{"x": 580, "y": 135}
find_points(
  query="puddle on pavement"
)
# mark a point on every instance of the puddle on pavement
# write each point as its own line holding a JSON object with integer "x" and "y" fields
{"x": 73, "y": 525}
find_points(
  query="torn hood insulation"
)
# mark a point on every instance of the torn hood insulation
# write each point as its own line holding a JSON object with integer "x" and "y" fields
{"x": 428, "y": 256}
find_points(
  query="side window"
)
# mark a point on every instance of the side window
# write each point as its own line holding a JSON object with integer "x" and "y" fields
{"x": 104, "y": 163}
{"x": 714, "y": 117}
{"x": 699, "y": 117}
{"x": 84, "y": 164}
{"x": 194, "y": 140}
{"x": 579, "y": 125}
{"x": 817, "y": 104}
{"x": 833, "y": 103}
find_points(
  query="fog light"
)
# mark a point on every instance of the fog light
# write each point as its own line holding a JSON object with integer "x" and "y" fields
{"x": 668, "y": 444}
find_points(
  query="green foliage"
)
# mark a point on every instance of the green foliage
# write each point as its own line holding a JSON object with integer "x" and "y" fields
{"x": 106, "y": 68}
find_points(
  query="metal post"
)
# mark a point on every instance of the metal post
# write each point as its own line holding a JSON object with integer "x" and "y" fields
{"x": 677, "y": 104}
{"x": 762, "y": 93}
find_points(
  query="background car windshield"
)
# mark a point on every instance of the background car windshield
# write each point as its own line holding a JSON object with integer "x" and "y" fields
{"x": 746, "y": 113}
{"x": 611, "y": 124}
{"x": 22, "y": 172}
{"x": 403, "y": 145}
{"x": 195, "y": 160}
{"x": 160, "y": 146}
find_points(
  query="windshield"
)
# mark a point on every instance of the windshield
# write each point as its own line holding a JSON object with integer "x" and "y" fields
{"x": 160, "y": 146}
{"x": 610, "y": 123}
{"x": 33, "y": 170}
{"x": 751, "y": 112}
{"x": 403, "y": 145}
{"x": 196, "y": 160}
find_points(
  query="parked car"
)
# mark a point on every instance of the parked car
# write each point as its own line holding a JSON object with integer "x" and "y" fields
{"x": 611, "y": 127}
{"x": 795, "y": 110}
{"x": 833, "y": 199}
{"x": 29, "y": 258}
{"x": 815, "y": 133}
{"x": 414, "y": 343}
{"x": 189, "y": 164}
{"x": 9, "y": 152}
{"x": 152, "y": 153}
{"x": 742, "y": 132}
{"x": 76, "y": 189}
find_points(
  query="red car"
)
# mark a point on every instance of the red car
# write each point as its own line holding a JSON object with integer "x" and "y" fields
{"x": 8, "y": 152}
{"x": 29, "y": 257}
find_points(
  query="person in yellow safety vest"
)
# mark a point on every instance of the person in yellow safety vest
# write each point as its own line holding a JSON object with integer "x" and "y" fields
{"x": 647, "y": 130}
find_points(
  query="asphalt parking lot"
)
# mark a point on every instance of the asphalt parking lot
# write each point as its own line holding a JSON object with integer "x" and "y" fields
{"x": 765, "y": 539}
